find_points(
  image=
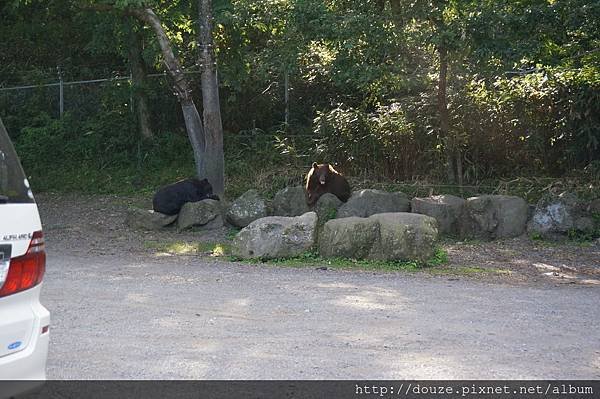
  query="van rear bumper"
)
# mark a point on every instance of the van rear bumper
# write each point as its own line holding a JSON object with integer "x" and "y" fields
{"x": 29, "y": 363}
{"x": 25, "y": 371}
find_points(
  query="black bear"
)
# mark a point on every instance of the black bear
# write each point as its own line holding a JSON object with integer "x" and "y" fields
{"x": 323, "y": 179}
{"x": 169, "y": 199}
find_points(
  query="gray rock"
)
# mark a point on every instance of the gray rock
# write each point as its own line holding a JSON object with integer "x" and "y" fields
{"x": 351, "y": 237}
{"x": 384, "y": 236}
{"x": 147, "y": 219}
{"x": 446, "y": 209}
{"x": 205, "y": 214}
{"x": 276, "y": 237}
{"x": 327, "y": 207}
{"x": 585, "y": 224}
{"x": 530, "y": 211}
{"x": 405, "y": 236}
{"x": 246, "y": 209}
{"x": 555, "y": 214}
{"x": 215, "y": 223}
{"x": 594, "y": 206}
{"x": 494, "y": 216}
{"x": 365, "y": 203}
{"x": 290, "y": 201}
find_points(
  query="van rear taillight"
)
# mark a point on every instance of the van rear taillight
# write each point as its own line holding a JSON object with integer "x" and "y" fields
{"x": 28, "y": 270}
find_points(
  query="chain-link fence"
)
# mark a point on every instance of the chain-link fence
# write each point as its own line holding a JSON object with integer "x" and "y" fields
{"x": 54, "y": 95}
{"x": 84, "y": 92}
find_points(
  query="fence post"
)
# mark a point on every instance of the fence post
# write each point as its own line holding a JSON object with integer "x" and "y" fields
{"x": 131, "y": 89}
{"x": 286, "y": 96}
{"x": 61, "y": 92}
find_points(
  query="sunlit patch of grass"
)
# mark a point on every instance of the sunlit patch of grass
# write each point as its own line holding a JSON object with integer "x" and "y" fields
{"x": 187, "y": 248}
{"x": 220, "y": 250}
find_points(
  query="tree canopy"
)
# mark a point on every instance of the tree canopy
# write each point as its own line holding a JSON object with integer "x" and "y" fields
{"x": 353, "y": 82}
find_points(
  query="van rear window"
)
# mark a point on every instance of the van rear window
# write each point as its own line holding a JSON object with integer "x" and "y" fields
{"x": 14, "y": 187}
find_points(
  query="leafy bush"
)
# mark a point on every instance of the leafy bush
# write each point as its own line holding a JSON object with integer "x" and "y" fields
{"x": 548, "y": 122}
{"x": 100, "y": 155}
{"x": 387, "y": 142}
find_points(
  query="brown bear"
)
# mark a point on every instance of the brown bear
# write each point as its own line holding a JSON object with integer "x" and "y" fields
{"x": 323, "y": 179}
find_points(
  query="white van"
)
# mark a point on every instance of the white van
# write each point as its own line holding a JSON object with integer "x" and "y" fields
{"x": 24, "y": 322}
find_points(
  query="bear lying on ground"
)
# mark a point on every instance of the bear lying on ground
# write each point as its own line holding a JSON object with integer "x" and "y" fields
{"x": 323, "y": 179}
{"x": 169, "y": 199}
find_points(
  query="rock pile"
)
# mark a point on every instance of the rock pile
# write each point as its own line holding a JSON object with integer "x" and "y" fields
{"x": 374, "y": 224}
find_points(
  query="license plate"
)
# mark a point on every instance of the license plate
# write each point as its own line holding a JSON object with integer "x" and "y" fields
{"x": 5, "y": 251}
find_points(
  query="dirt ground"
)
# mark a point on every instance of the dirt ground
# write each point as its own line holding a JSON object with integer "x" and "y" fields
{"x": 94, "y": 225}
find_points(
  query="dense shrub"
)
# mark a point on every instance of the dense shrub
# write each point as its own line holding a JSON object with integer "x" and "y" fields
{"x": 545, "y": 122}
{"x": 99, "y": 154}
{"x": 361, "y": 78}
{"x": 382, "y": 143}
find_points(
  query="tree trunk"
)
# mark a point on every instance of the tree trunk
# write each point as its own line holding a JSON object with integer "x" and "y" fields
{"x": 138, "y": 76}
{"x": 443, "y": 113}
{"x": 193, "y": 125}
{"x": 213, "y": 127}
{"x": 397, "y": 11}
{"x": 193, "y": 122}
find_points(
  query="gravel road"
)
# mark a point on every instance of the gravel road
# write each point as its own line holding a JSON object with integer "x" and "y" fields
{"x": 120, "y": 310}
{"x": 126, "y": 317}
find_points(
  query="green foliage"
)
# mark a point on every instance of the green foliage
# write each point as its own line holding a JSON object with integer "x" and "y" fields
{"x": 583, "y": 237}
{"x": 99, "y": 155}
{"x": 368, "y": 143}
{"x": 330, "y": 214}
{"x": 546, "y": 121}
{"x": 439, "y": 258}
{"x": 232, "y": 233}
{"x": 312, "y": 259}
{"x": 535, "y": 236}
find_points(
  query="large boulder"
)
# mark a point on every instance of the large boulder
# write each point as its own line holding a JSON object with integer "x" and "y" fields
{"x": 246, "y": 209}
{"x": 290, "y": 201}
{"x": 276, "y": 237}
{"x": 556, "y": 215}
{"x": 327, "y": 207}
{"x": 351, "y": 237}
{"x": 384, "y": 236}
{"x": 205, "y": 214}
{"x": 365, "y": 203}
{"x": 147, "y": 219}
{"x": 446, "y": 209}
{"x": 594, "y": 206}
{"x": 494, "y": 216}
